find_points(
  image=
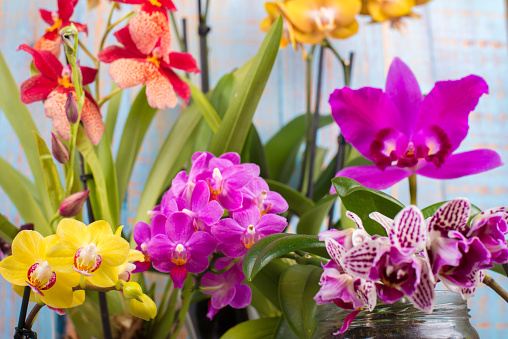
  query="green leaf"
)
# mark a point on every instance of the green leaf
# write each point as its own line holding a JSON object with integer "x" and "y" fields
{"x": 7, "y": 230}
{"x": 298, "y": 203}
{"x": 209, "y": 113}
{"x": 430, "y": 210}
{"x": 282, "y": 148}
{"x": 273, "y": 246}
{"x": 138, "y": 121}
{"x": 103, "y": 151}
{"x": 312, "y": 220}
{"x": 51, "y": 176}
{"x": 318, "y": 162}
{"x": 324, "y": 182}
{"x": 98, "y": 183}
{"x": 21, "y": 198}
{"x": 111, "y": 116}
{"x": 363, "y": 201}
{"x": 253, "y": 329}
{"x": 169, "y": 154}
{"x": 267, "y": 281}
{"x": 253, "y": 151}
{"x": 261, "y": 303}
{"x": 236, "y": 123}
{"x": 297, "y": 287}
{"x": 283, "y": 330}
{"x": 21, "y": 121}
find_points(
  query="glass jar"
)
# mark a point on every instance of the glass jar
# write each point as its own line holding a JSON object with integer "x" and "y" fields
{"x": 450, "y": 319}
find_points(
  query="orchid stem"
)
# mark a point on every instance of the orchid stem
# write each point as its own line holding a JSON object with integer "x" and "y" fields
{"x": 490, "y": 282}
{"x": 310, "y": 187}
{"x": 109, "y": 96}
{"x": 177, "y": 31}
{"x": 412, "y": 188}
{"x": 24, "y": 307}
{"x": 31, "y": 317}
{"x": 186, "y": 301}
{"x": 203, "y": 30}
{"x": 94, "y": 288}
{"x": 210, "y": 267}
{"x": 87, "y": 52}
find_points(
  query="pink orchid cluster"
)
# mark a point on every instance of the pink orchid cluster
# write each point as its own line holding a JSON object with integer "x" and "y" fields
{"x": 146, "y": 58}
{"x": 188, "y": 226}
{"x": 416, "y": 255}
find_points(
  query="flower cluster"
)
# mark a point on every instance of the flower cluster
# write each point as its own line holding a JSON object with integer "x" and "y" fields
{"x": 188, "y": 226}
{"x": 58, "y": 268}
{"x": 416, "y": 254}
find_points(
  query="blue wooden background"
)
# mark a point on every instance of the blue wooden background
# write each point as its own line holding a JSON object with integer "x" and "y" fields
{"x": 452, "y": 39}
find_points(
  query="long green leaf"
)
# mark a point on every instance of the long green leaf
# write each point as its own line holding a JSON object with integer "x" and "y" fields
{"x": 236, "y": 123}
{"x": 51, "y": 176}
{"x": 273, "y": 246}
{"x": 363, "y": 201}
{"x": 282, "y": 148}
{"x": 312, "y": 220}
{"x": 209, "y": 113}
{"x": 267, "y": 281}
{"x": 21, "y": 121}
{"x": 298, "y": 203}
{"x": 253, "y": 151}
{"x": 297, "y": 287}
{"x": 138, "y": 121}
{"x": 253, "y": 329}
{"x": 22, "y": 199}
{"x": 283, "y": 330}
{"x": 86, "y": 149}
{"x": 111, "y": 116}
{"x": 168, "y": 155}
{"x": 7, "y": 230}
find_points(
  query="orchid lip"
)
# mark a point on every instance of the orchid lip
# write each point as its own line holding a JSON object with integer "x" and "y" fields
{"x": 41, "y": 277}
{"x": 87, "y": 260}
{"x": 180, "y": 255}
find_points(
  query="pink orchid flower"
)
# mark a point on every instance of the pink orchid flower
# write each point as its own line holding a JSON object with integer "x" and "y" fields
{"x": 51, "y": 41}
{"x": 53, "y": 85}
{"x": 130, "y": 67}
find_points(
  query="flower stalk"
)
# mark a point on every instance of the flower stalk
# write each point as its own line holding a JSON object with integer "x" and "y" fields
{"x": 413, "y": 187}
{"x": 33, "y": 314}
{"x": 490, "y": 282}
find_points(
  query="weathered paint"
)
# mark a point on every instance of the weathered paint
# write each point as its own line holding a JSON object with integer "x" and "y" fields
{"x": 453, "y": 38}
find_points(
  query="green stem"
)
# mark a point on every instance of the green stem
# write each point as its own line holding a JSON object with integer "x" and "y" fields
{"x": 177, "y": 31}
{"x": 210, "y": 267}
{"x": 87, "y": 52}
{"x": 186, "y": 301}
{"x": 412, "y": 188}
{"x": 109, "y": 96}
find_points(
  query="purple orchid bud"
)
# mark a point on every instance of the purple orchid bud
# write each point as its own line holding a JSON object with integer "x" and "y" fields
{"x": 73, "y": 204}
{"x": 226, "y": 288}
{"x": 71, "y": 108}
{"x": 59, "y": 150}
{"x": 27, "y": 227}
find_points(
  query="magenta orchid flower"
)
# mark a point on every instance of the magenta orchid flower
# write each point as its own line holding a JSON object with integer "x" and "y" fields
{"x": 178, "y": 248}
{"x": 226, "y": 288}
{"x": 53, "y": 85}
{"x": 247, "y": 226}
{"x": 59, "y": 19}
{"x": 490, "y": 227}
{"x": 257, "y": 193}
{"x": 403, "y": 133}
{"x": 130, "y": 66}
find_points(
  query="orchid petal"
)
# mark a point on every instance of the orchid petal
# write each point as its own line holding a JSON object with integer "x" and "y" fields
{"x": 372, "y": 177}
{"x": 367, "y": 292}
{"x": 112, "y": 53}
{"x": 409, "y": 229}
{"x": 451, "y": 216}
{"x": 358, "y": 261}
{"x": 36, "y": 88}
{"x": 347, "y": 321}
{"x": 423, "y": 296}
{"x": 335, "y": 250}
{"x": 159, "y": 90}
{"x": 383, "y": 220}
{"x": 160, "y": 247}
{"x": 242, "y": 298}
{"x": 129, "y": 72}
{"x": 179, "y": 227}
{"x": 356, "y": 219}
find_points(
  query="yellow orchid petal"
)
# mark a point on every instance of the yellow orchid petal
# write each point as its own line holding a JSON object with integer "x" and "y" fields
{"x": 78, "y": 298}
{"x": 145, "y": 310}
{"x": 97, "y": 230}
{"x": 118, "y": 231}
{"x": 72, "y": 234}
{"x": 28, "y": 247}
{"x": 299, "y": 12}
{"x": 345, "y": 10}
{"x": 59, "y": 295}
{"x": 105, "y": 276}
{"x": 382, "y": 10}
{"x": 50, "y": 241}
{"x": 61, "y": 258}
{"x": 309, "y": 38}
{"x": 113, "y": 250}
{"x": 69, "y": 279}
{"x": 135, "y": 255}
{"x": 14, "y": 271}
{"x": 343, "y": 32}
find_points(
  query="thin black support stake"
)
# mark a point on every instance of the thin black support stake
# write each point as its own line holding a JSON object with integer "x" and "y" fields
{"x": 203, "y": 30}
{"x": 106, "y": 326}
{"x": 184, "y": 35}
{"x": 315, "y": 126}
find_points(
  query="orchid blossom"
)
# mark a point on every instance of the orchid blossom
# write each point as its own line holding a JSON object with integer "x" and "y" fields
{"x": 404, "y": 133}
{"x": 29, "y": 266}
{"x": 390, "y": 10}
{"x": 52, "y": 85}
{"x": 130, "y": 66}
{"x": 92, "y": 251}
{"x": 51, "y": 41}
{"x": 274, "y": 10}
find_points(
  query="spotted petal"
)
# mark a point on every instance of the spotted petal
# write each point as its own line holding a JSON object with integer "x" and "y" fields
{"x": 423, "y": 297}
{"x": 409, "y": 229}
{"x": 451, "y": 216}
{"x": 335, "y": 250}
{"x": 383, "y": 220}
{"x": 358, "y": 261}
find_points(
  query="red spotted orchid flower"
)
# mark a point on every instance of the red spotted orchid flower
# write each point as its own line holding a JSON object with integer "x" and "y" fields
{"x": 404, "y": 133}
{"x": 51, "y": 41}
{"x": 53, "y": 85}
{"x": 130, "y": 66}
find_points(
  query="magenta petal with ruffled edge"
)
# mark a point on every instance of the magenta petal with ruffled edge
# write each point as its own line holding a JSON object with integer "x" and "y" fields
{"x": 158, "y": 224}
{"x": 270, "y": 224}
{"x": 388, "y": 294}
{"x": 404, "y": 91}
{"x": 164, "y": 266}
{"x": 235, "y": 250}
{"x": 211, "y": 214}
{"x": 142, "y": 233}
{"x": 201, "y": 244}
{"x": 448, "y": 106}
{"x": 230, "y": 199}
{"x": 463, "y": 164}
{"x": 373, "y": 177}
{"x": 179, "y": 227}
{"x": 227, "y": 231}
{"x": 160, "y": 247}
{"x": 141, "y": 266}
{"x": 242, "y": 298}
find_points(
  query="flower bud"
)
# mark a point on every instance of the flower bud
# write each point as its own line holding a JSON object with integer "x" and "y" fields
{"x": 144, "y": 309}
{"x": 59, "y": 150}
{"x": 73, "y": 204}
{"x": 71, "y": 108}
{"x": 132, "y": 290}
{"x": 27, "y": 227}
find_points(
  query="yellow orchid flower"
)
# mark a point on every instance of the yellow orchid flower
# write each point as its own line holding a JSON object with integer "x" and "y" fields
{"x": 393, "y": 10}
{"x": 275, "y": 9}
{"x": 315, "y": 20}
{"x": 29, "y": 266}
{"x": 144, "y": 308}
{"x": 92, "y": 251}
{"x": 78, "y": 298}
